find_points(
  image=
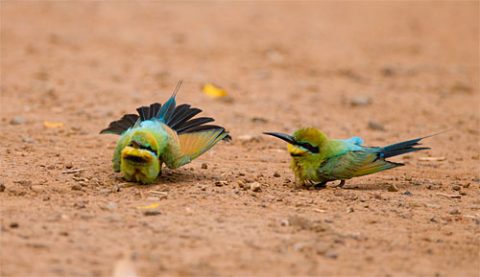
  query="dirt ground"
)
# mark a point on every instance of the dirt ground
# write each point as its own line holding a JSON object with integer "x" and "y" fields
{"x": 385, "y": 71}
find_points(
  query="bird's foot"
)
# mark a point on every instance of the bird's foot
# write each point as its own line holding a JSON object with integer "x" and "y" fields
{"x": 341, "y": 184}
{"x": 320, "y": 185}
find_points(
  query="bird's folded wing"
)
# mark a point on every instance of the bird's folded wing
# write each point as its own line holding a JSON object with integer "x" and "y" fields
{"x": 354, "y": 164}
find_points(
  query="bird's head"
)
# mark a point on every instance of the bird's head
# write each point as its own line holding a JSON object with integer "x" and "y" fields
{"x": 139, "y": 159}
{"x": 304, "y": 142}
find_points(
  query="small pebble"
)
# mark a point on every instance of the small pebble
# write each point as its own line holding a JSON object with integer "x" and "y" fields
{"x": 2, "y": 187}
{"x": 331, "y": 254}
{"x": 151, "y": 212}
{"x": 17, "y": 120}
{"x": 28, "y": 139}
{"x": 392, "y": 188}
{"x": 37, "y": 188}
{"x": 454, "y": 211}
{"x": 76, "y": 187}
{"x": 276, "y": 174}
{"x": 204, "y": 166}
{"x": 255, "y": 187}
{"x": 111, "y": 206}
{"x": 374, "y": 125}
{"x": 259, "y": 120}
{"x": 360, "y": 101}
{"x": 456, "y": 188}
{"x": 407, "y": 193}
{"x": 14, "y": 225}
{"x": 221, "y": 183}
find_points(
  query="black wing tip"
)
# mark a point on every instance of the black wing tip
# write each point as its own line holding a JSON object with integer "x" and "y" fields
{"x": 395, "y": 163}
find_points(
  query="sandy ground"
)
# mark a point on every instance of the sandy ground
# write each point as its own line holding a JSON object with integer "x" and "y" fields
{"x": 386, "y": 71}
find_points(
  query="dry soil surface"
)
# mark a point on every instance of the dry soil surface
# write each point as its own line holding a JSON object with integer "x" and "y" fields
{"x": 386, "y": 71}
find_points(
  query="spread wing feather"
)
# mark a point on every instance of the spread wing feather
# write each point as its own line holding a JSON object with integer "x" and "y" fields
{"x": 179, "y": 118}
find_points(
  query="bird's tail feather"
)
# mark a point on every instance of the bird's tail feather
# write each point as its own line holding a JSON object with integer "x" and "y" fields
{"x": 402, "y": 148}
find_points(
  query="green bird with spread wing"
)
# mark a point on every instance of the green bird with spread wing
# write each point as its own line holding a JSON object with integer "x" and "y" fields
{"x": 161, "y": 134}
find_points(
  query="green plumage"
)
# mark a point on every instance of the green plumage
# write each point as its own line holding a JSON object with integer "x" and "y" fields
{"x": 161, "y": 135}
{"x": 318, "y": 159}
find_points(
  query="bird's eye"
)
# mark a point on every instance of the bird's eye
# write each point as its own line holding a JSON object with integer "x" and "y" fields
{"x": 140, "y": 146}
{"x": 147, "y": 148}
{"x": 309, "y": 147}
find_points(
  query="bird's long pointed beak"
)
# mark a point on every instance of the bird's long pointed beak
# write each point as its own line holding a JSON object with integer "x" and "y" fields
{"x": 282, "y": 136}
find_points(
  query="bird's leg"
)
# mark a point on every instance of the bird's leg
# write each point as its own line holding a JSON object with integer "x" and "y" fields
{"x": 342, "y": 183}
{"x": 320, "y": 185}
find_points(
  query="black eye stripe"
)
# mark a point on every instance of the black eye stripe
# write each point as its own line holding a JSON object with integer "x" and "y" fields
{"x": 308, "y": 146}
{"x": 147, "y": 148}
{"x": 133, "y": 144}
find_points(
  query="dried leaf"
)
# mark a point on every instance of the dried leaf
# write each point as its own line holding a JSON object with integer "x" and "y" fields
{"x": 53, "y": 124}
{"x": 151, "y": 206}
{"x": 214, "y": 91}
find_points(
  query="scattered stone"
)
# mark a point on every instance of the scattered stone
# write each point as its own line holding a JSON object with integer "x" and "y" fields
{"x": 350, "y": 210}
{"x": 111, "y": 206}
{"x": 275, "y": 56}
{"x": 306, "y": 224}
{"x": 14, "y": 225}
{"x": 221, "y": 183}
{"x": 331, "y": 254}
{"x": 69, "y": 166}
{"x": 407, "y": 193}
{"x": 77, "y": 187}
{"x": 151, "y": 212}
{"x": 392, "y": 188}
{"x": 456, "y": 188}
{"x": 37, "y": 188}
{"x": 204, "y": 166}
{"x": 27, "y": 139}
{"x": 80, "y": 204}
{"x": 2, "y": 187}
{"x": 374, "y": 125}
{"x": 256, "y": 119}
{"x": 255, "y": 187}
{"x": 360, "y": 101}
{"x": 17, "y": 120}
{"x": 299, "y": 246}
{"x": 276, "y": 174}
{"x": 388, "y": 71}
{"x": 454, "y": 211}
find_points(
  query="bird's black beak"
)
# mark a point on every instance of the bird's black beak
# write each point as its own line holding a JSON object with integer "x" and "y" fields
{"x": 283, "y": 137}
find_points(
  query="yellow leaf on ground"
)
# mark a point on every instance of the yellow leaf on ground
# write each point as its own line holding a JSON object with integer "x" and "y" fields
{"x": 151, "y": 206}
{"x": 52, "y": 124}
{"x": 214, "y": 91}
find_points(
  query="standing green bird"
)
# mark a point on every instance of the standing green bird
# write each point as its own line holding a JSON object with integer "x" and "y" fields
{"x": 161, "y": 134}
{"x": 317, "y": 159}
